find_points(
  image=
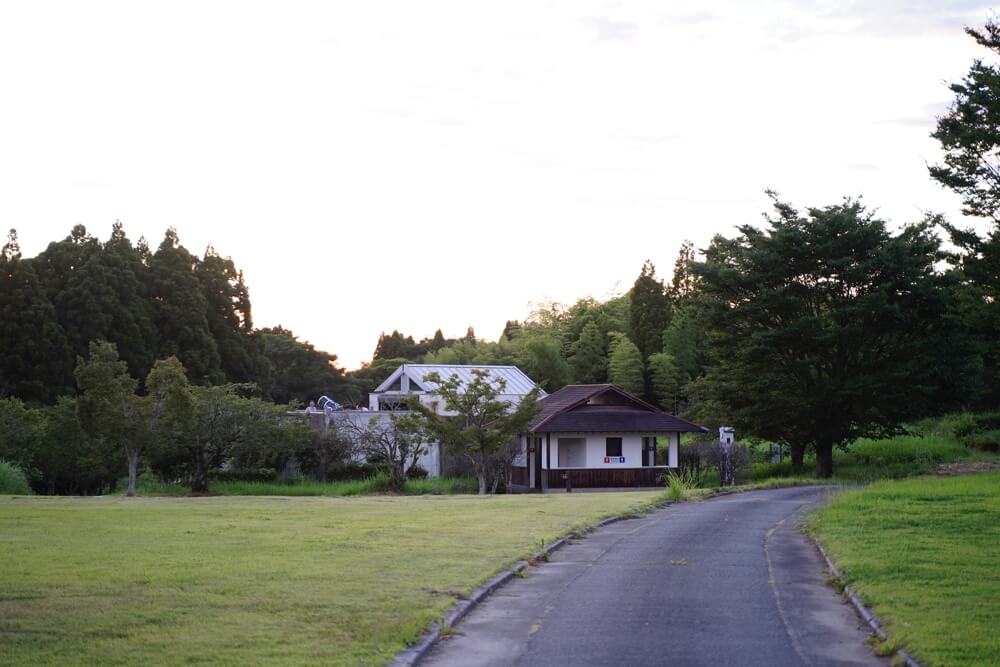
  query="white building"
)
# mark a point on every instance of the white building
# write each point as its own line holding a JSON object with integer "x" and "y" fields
{"x": 598, "y": 435}
{"x": 410, "y": 381}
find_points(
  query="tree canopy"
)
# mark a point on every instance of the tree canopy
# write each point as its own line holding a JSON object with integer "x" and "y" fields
{"x": 812, "y": 323}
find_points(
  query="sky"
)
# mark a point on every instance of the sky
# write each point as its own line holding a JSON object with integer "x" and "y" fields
{"x": 373, "y": 166}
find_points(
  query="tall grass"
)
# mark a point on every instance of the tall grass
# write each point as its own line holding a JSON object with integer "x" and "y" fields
{"x": 12, "y": 480}
{"x": 375, "y": 484}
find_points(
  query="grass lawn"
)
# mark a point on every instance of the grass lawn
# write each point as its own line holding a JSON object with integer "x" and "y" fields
{"x": 255, "y": 580}
{"x": 925, "y": 555}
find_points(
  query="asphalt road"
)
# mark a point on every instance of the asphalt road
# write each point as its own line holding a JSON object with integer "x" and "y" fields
{"x": 728, "y": 581}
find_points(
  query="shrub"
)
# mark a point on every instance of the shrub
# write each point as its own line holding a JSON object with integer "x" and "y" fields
{"x": 248, "y": 475}
{"x": 12, "y": 480}
{"x": 988, "y": 441}
{"x": 352, "y": 471}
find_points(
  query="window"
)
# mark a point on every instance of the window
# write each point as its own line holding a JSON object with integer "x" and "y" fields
{"x": 613, "y": 447}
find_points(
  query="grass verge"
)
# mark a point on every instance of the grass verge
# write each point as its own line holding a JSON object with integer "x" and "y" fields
{"x": 297, "y": 581}
{"x": 923, "y": 554}
{"x": 373, "y": 485}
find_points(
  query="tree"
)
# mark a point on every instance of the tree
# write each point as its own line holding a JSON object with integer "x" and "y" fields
{"x": 649, "y": 311}
{"x": 665, "y": 380}
{"x": 625, "y": 367}
{"x": 825, "y": 327}
{"x": 108, "y": 408}
{"x": 539, "y": 356}
{"x": 298, "y": 371}
{"x": 228, "y": 314}
{"x": 476, "y": 424}
{"x": 397, "y": 442}
{"x": 180, "y": 311}
{"x": 684, "y": 283}
{"x": 35, "y": 363}
{"x": 969, "y": 134}
{"x": 588, "y": 356}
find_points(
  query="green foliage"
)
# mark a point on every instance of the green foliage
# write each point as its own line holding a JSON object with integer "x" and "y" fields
{"x": 664, "y": 380}
{"x": 35, "y": 361}
{"x": 108, "y": 409}
{"x": 297, "y": 371}
{"x": 811, "y": 327}
{"x": 540, "y": 357}
{"x": 970, "y": 132}
{"x": 588, "y": 356}
{"x": 649, "y": 311}
{"x": 12, "y": 480}
{"x": 625, "y": 367}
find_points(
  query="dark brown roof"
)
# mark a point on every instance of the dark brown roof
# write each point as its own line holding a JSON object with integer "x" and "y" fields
{"x": 604, "y": 408}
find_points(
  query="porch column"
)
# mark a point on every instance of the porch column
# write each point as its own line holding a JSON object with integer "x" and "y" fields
{"x": 673, "y": 444}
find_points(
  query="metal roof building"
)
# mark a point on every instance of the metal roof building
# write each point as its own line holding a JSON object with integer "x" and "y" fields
{"x": 412, "y": 379}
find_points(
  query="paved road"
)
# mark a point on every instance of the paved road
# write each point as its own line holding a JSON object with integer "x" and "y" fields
{"x": 728, "y": 581}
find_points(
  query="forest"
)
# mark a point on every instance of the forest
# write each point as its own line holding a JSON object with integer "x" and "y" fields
{"x": 822, "y": 325}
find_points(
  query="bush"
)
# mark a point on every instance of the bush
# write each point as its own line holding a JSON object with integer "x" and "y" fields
{"x": 251, "y": 475}
{"x": 12, "y": 480}
{"x": 339, "y": 472}
{"x": 988, "y": 441}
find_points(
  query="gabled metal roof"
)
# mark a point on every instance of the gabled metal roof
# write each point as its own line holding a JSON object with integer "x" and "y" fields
{"x": 517, "y": 383}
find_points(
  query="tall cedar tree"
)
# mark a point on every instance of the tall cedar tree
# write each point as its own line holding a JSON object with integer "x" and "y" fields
{"x": 970, "y": 138}
{"x": 35, "y": 360}
{"x": 180, "y": 312}
{"x": 649, "y": 311}
{"x": 813, "y": 328}
{"x": 228, "y": 314}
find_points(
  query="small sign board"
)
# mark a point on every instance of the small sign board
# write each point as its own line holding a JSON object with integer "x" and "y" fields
{"x": 614, "y": 459}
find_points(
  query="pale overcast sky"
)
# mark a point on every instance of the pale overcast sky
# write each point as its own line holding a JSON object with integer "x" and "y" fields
{"x": 415, "y": 165}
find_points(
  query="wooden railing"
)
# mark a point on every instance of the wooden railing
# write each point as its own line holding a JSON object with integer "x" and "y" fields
{"x": 590, "y": 478}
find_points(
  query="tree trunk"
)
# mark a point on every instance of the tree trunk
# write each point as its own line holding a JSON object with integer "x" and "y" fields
{"x": 398, "y": 478}
{"x": 199, "y": 479}
{"x": 798, "y": 455}
{"x": 133, "y": 466}
{"x": 824, "y": 460}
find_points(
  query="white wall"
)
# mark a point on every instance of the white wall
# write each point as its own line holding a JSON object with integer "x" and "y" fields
{"x": 429, "y": 461}
{"x": 596, "y": 446}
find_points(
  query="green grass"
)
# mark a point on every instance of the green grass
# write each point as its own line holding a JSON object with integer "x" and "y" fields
{"x": 256, "y": 580}
{"x": 373, "y": 485}
{"x": 867, "y": 460}
{"x": 924, "y": 554}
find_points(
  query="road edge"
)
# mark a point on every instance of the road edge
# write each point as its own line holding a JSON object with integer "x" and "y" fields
{"x": 412, "y": 655}
{"x": 863, "y": 610}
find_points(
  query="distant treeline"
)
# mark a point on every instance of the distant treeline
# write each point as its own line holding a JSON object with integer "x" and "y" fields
{"x": 151, "y": 305}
